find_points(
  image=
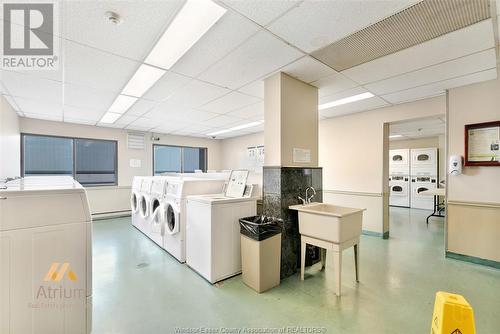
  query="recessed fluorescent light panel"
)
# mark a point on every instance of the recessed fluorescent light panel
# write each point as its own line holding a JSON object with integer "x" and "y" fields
{"x": 122, "y": 103}
{"x": 395, "y": 136}
{"x": 145, "y": 77}
{"x": 236, "y": 128}
{"x": 110, "y": 117}
{"x": 194, "y": 19}
{"x": 346, "y": 100}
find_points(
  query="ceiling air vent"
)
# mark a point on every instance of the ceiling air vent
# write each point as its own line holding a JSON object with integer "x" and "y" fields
{"x": 135, "y": 141}
{"x": 416, "y": 24}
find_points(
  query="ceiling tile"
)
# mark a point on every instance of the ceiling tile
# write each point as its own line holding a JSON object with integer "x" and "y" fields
{"x": 315, "y": 24}
{"x": 229, "y": 32}
{"x": 87, "y": 98}
{"x": 142, "y": 23}
{"x": 195, "y": 94}
{"x": 125, "y": 120}
{"x": 261, "y": 11}
{"x": 308, "y": 69}
{"x": 220, "y": 121}
{"x": 454, "y": 68}
{"x": 199, "y": 116}
{"x": 333, "y": 84}
{"x": 414, "y": 126}
{"x": 342, "y": 94}
{"x": 166, "y": 86}
{"x": 438, "y": 88}
{"x": 97, "y": 69}
{"x": 47, "y": 117}
{"x": 258, "y": 56}
{"x": 141, "y": 107}
{"x": 351, "y": 108}
{"x": 40, "y": 107}
{"x": 254, "y": 111}
{"x": 475, "y": 38}
{"x": 229, "y": 102}
{"x": 193, "y": 129}
{"x": 162, "y": 114}
{"x": 78, "y": 121}
{"x": 255, "y": 88}
{"x": 143, "y": 124}
{"x": 72, "y": 112}
{"x": 24, "y": 85}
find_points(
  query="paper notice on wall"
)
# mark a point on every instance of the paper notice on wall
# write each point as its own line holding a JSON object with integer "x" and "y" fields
{"x": 301, "y": 155}
{"x": 135, "y": 163}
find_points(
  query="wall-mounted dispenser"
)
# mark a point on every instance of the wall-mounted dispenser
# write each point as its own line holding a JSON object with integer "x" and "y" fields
{"x": 455, "y": 165}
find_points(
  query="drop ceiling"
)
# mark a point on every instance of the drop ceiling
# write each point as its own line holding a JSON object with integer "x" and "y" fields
{"x": 218, "y": 83}
{"x": 416, "y": 129}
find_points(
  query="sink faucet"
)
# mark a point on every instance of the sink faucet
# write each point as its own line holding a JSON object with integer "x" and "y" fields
{"x": 308, "y": 199}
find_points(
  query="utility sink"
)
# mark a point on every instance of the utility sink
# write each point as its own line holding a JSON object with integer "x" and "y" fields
{"x": 331, "y": 223}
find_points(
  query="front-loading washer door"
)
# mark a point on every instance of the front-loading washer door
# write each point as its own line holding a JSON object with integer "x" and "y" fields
{"x": 144, "y": 206}
{"x": 172, "y": 220}
{"x": 134, "y": 201}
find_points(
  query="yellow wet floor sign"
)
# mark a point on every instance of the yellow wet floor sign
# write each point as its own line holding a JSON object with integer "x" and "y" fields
{"x": 452, "y": 315}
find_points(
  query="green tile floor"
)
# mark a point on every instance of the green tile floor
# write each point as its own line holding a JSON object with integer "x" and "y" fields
{"x": 139, "y": 288}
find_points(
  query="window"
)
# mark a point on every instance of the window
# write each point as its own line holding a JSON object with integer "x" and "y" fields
{"x": 178, "y": 159}
{"x": 95, "y": 161}
{"x": 89, "y": 161}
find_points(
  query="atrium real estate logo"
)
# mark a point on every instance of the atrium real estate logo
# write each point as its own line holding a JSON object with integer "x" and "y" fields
{"x": 60, "y": 289}
{"x": 30, "y": 33}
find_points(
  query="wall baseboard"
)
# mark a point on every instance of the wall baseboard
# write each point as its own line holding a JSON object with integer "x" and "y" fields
{"x": 473, "y": 259}
{"x": 109, "y": 215}
{"x": 384, "y": 235}
{"x": 371, "y": 233}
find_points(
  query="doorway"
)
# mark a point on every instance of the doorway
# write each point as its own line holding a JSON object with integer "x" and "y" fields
{"x": 416, "y": 173}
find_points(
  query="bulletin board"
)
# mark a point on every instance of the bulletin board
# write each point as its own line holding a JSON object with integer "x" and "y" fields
{"x": 482, "y": 144}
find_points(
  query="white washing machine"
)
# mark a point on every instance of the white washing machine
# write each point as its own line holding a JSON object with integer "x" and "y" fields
{"x": 424, "y": 162}
{"x": 174, "y": 240}
{"x": 154, "y": 224}
{"x": 144, "y": 203}
{"x": 213, "y": 234}
{"x": 135, "y": 199}
{"x": 45, "y": 244}
{"x": 399, "y": 187}
{"x": 419, "y": 184}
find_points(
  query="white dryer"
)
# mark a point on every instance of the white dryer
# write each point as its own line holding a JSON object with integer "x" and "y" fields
{"x": 418, "y": 185}
{"x": 45, "y": 245}
{"x": 399, "y": 162}
{"x": 174, "y": 240}
{"x": 424, "y": 161}
{"x": 399, "y": 187}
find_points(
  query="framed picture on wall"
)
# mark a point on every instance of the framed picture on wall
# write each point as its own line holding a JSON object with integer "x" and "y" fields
{"x": 482, "y": 144}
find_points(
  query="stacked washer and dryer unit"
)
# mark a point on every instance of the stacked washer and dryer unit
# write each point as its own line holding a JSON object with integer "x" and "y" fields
{"x": 412, "y": 171}
{"x": 424, "y": 176}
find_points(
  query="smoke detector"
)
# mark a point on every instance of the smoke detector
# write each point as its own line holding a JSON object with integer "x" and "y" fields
{"x": 113, "y": 17}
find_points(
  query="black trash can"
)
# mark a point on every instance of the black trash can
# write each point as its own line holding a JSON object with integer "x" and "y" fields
{"x": 260, "y": 252}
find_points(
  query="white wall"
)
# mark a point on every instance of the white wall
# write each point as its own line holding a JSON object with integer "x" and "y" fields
{"x": 234, "y": 153}
{"x": 116, "y": 198}
{"x": 10, "y": 156}
{"x": 473, "y": 222}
